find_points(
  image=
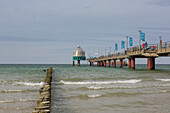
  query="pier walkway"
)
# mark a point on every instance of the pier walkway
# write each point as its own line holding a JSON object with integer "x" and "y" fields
{"x": 151, "y": 52}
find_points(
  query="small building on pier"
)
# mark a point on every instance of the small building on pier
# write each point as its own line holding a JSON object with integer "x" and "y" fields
{"x": 78, "y": 55}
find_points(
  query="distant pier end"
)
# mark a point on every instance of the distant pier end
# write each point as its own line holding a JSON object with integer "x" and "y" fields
{"x": 78, "y": 55}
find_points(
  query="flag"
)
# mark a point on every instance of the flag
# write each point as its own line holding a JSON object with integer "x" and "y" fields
{"x": 116, "y": 46}
{"x": 122, "y": 44}
{"x": 130, "y": 41}
{"x": 143, "y": 36}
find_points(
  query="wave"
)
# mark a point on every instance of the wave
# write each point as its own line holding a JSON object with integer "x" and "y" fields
{"x": 164, "y": 91}
{"x": 121, "y": 93}
{"x": 3, "y": 81}
{"x": 97, "y": 87}
{"x": 10, "y": 91}
{"x": 110, "y": 87}
{"x": 94, "y": 95}
{"x": 16, "y": 91}
{"x": 6, "y": 101}
{"x": 164, "y": 80}
{"x": 20, "y": 100}
{"x": 26, "y": 100}
{"x": 28, "y": 83}
{"x": 125, "y": 87}
{"x": 132, "y": 81}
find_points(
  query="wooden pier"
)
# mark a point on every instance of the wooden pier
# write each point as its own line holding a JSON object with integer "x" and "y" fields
{"x": 44, "y": 102}
{"x": 151, "y": 52}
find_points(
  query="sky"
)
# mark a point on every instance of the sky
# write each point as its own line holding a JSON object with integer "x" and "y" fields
{"x": 48, "y": 31}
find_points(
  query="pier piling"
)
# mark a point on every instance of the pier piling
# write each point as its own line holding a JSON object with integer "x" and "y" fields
{"x": 129, "y": 63}
{"x": 98, "y": 63}
{"x": 104, "y": 63}
{"x": 108, "y": 63}
{"x": 151, "y": 63}
{"x": 121, "y": 61}
{"x": 73, "y": 63}
{"x": 92, "y": 64}
{"x": 101, "y": 63}
{"x": 78, "y": 62}
{"x": 133, "y": 63}
{"x": 114, "y": 63}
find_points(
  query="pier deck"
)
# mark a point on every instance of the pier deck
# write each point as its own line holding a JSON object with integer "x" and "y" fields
{"x": 151, "y": 52}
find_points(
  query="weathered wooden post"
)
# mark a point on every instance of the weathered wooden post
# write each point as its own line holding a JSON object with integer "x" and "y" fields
{"x": 44, "y": 102}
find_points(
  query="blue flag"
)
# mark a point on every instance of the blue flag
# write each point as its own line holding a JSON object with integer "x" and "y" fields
{"x": 122, "y": 44}
{"x": 130, "y": 41}
{"x": 143, "y": 36}
{"x": 116, "y": 46}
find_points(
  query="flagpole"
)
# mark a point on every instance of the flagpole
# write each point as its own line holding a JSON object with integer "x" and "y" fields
{"x": 127, "y": 42}
{"x": 124, "y": 46}
{"x": 114, "y": 49}
{"x": 140, "y": 39}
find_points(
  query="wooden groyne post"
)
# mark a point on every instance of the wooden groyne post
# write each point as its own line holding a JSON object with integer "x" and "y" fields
{"x": 44, "y": 102}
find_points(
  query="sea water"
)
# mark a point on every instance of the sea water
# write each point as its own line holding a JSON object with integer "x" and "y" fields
{"x": 19, "y": 85}
{"x": 86, "y": 89}
{"x": 95, "y": 89}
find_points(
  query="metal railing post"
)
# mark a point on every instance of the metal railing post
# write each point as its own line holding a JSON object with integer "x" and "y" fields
{"x": 165, "y": 46}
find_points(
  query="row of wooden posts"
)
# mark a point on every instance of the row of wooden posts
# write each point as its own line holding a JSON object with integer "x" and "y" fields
{"x": 44, "y": 102}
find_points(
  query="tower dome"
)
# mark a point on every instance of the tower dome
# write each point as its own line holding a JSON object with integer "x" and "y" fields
{"x": 78, "y": 51}
{"x": 78, "y": 54}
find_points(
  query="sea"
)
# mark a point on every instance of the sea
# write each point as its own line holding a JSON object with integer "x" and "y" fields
{"x": 86, "y": 89}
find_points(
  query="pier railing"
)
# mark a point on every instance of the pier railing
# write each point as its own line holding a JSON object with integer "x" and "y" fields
{"x": 164, "y": 47}
{"x": 134, "y": 50}
{"x": 153, "y": 49}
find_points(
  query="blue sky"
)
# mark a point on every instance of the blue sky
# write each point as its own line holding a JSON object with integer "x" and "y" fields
{"x": 48, "y": 31}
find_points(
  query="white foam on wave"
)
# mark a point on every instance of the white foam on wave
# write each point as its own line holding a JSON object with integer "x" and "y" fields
{"x": 94, "y": 95}
{"x": 6, "y": 101}
{"x": 25, "y": 100}
{"x": 109, "y": 87}
{"x": 9, "y": 91}
{"x": 132, "y": 81}
{"x": 164, "y": 91}
{"x": 95, "y": 87}
{"x": 165, "y": 85}
{"x": 27, "y": 84}
{"x": 20, "y": 100}
{"x": 164, "y": 80}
